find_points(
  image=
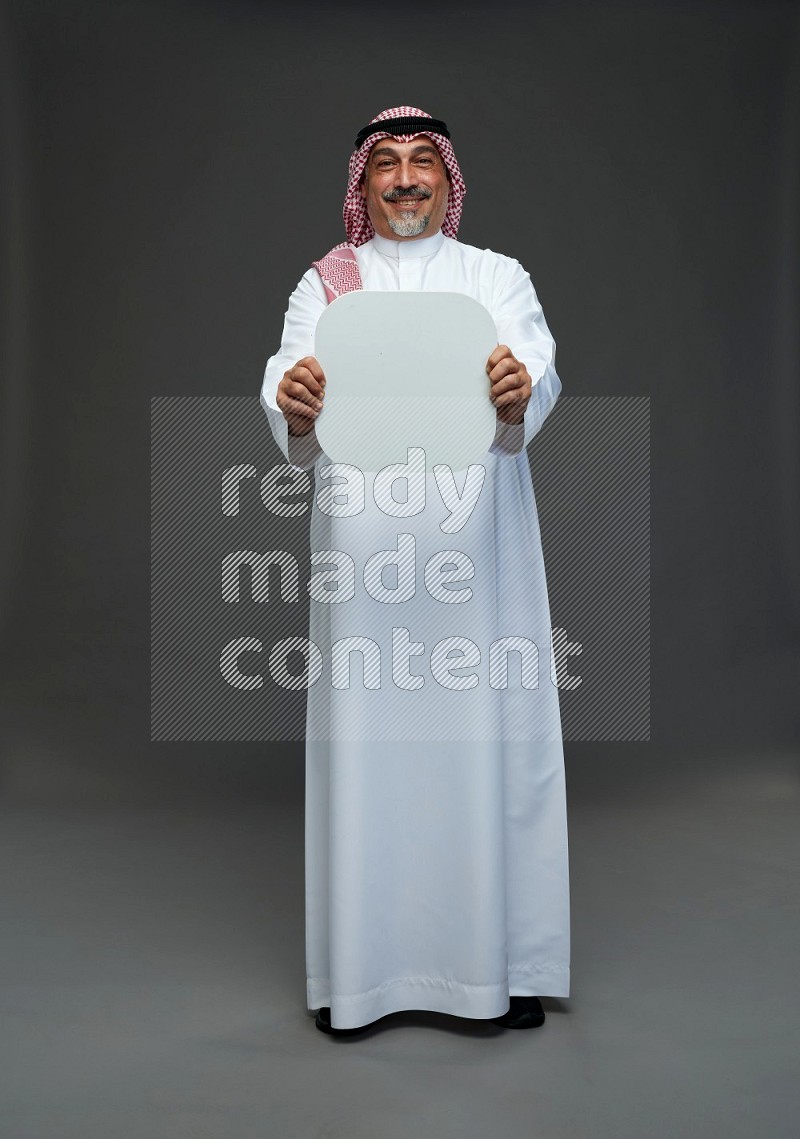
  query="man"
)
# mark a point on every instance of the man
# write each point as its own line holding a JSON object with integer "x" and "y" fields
{"x": 436, "y": 838}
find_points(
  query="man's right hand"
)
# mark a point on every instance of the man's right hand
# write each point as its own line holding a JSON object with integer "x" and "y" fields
{"x": 300, "y": 395}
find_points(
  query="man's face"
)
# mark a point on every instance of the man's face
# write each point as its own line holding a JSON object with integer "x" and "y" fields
{"x": 405, "y": 187}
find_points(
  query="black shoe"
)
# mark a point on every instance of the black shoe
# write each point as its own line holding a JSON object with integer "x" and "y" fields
{"x": 323, "y": 1023}
{"x": 525, "y": 1012}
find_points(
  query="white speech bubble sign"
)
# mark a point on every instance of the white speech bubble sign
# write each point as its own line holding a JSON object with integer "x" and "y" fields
{"x": 405, "y": 369}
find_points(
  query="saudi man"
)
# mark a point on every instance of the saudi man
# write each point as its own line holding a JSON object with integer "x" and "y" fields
{"x": 436, "y": 838}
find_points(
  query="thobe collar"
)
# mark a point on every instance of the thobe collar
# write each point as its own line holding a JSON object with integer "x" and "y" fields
{"x": 409, "y": 250}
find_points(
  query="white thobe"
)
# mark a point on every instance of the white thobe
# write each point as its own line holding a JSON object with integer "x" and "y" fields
{"x": 436, "y": 835}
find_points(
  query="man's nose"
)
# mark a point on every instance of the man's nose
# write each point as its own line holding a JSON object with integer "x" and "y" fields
{"x": 405, "y": 175}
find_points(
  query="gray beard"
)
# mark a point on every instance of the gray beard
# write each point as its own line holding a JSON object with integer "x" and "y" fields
{"x": 409, "y": 227}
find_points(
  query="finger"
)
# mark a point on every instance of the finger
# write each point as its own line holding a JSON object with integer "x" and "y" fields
{"x": 289, "y": 407}
{"x": 506, "y": 367}
{"x": 507, "y": 384}
{"x": 314, "y": 367}
{"x": 295, "y": 389}
{"x": 302, "y": 375}
{"x": 508, "y": 399}
{"x": 294, "y": 407}
{"x": 500, "y": 352}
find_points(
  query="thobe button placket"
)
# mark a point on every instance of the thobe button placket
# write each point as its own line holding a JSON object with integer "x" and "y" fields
{"x": 409, "y": 258}
{"x": 413, "y": 274}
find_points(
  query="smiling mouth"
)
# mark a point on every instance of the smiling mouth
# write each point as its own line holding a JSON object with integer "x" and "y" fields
{"x": 407, "y": 203}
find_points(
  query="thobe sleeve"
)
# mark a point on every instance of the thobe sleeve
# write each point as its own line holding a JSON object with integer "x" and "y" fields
{"x": 521, "y": 325}
{"x": 306, "y": 305}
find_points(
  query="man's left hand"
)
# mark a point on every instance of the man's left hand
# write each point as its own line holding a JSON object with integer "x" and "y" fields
{"x": 511, "y": 384}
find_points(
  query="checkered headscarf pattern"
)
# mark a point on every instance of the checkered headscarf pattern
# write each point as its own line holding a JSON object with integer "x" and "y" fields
{"x": 339, "y": 271}
{"x": 339, "y": 268}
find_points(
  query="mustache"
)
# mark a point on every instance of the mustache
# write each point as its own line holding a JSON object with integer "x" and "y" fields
{"x": 413, "y": 192}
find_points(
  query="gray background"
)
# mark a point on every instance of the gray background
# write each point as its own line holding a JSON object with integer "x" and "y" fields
{"x": 168, "y": 172}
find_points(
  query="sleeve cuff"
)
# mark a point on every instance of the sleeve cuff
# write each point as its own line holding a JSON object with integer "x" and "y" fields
{"x": 509, "y": 438}
{"x": 303, "y": 450}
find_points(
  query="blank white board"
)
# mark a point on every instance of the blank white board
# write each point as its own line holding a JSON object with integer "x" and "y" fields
{"x": 405, "y": 369}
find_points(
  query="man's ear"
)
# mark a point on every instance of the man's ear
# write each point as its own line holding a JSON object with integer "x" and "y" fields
{"x": 363, "y": 185}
